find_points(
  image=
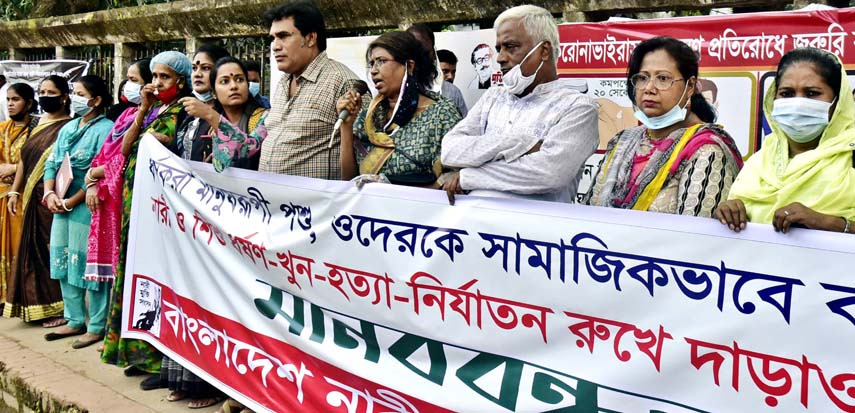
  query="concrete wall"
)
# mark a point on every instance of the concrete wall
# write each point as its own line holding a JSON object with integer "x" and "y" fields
{"x": 195, "y": 20}
{"x": 242, "y": 18}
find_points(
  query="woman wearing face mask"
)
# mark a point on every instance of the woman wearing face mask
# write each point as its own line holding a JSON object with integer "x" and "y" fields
{"x": 31, "y": 294}
{"x": 233, "y": 102}
{"x": 104, "y": 183}
{"x": 20, "y": 100}
{"x": 116, "y": 110}
{"x": 194, "y": 137}
{"x": 399, "y": 134}
{"x": 677, "y": 162}
{"x": 79, "y": 140}
{"x": 158, "y": 114}
{"x": 803, "y": 175}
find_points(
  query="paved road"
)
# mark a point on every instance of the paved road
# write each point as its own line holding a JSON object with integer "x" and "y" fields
{"x": 65, "y": 376}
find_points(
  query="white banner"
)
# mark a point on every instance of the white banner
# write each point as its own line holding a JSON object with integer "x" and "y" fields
{"x": 303, "y": 295}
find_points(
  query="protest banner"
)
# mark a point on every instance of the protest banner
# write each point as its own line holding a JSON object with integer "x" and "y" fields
{"x": 738, "y": 55}
{"x": 17, "y": 71}
{"x": 32, "y": 73}
{"x": 301, "y": 295}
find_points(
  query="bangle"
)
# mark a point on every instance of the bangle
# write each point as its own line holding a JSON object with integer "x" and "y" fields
{"x": 16, "y": 193}
{"x": 846, "y": 227}
{"x": 46, "y": 194}
{"x": 89, "y": 176}
{"x": 64, "y": 206}
{"x": 91, "y": 184}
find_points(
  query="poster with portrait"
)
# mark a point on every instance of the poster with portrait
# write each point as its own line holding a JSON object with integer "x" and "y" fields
{"x": 477, "y": 69}
{"x": 32, "y": 73}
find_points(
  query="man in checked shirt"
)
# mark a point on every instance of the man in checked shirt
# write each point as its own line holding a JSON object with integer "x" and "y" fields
{"x": 294, "y": 135}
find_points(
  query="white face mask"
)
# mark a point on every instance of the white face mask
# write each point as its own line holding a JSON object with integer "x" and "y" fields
{"x": 802, "y": 119}
{"x": 676, "y": 115}
{"x": 80, "y": 105}
{"x": 204, "y": 97}
{"x": 132, "y": 92}
{"x": 514, "y": 81}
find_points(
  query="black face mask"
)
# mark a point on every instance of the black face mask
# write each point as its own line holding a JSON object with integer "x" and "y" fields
{"x": 51, "y": 104}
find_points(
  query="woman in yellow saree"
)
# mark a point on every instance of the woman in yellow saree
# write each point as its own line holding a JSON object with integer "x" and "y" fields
{"x": 20, "y": 100}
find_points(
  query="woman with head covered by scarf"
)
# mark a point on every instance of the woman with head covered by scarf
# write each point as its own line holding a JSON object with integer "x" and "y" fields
{"x": 803, "y": 175}
{"x": 158, "y": 114}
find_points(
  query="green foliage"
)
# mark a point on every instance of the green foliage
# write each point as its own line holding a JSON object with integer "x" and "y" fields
{"x": 15, "y": 9}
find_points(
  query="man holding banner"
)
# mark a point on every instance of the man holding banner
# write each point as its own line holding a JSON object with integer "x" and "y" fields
{"x": 530, "y": 138}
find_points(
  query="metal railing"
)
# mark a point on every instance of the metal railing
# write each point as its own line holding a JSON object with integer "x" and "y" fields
{"x": 255, "y": 49}
{"x": 100, "y": 60}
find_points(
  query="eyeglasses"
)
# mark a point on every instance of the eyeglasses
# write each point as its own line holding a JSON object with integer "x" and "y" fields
{"x": 378, "y": 63}
{"x": 482, "y": 60}
{"x": 661, "y": 82}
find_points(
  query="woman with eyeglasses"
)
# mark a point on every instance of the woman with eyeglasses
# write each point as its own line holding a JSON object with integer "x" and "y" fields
{"x": 677, "y": 161}
{"x": 398, "y": 134}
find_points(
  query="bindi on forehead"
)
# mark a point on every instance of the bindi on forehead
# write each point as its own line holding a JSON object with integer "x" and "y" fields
{"x": 230, "y": 75}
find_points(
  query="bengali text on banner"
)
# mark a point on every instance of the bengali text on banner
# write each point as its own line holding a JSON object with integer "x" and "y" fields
{"x": 302, "y": 295}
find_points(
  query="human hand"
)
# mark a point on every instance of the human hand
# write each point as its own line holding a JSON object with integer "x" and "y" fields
{"x": 7, "y": 170}
{"x": 54, "y": 204}
{"x": 451, "y": 185}
{"x": 351, "y": 101}
{"x": 92, "y": 200}
{"x": 198, "y": 109}
{"x": 161, "y": 137}
{"x": 535, "y": 148}
{"x": 12, "y": 204}
{"x": 732, "y": 213}
{"x": 148, "y": 97}
{"x": 797, "y": 213}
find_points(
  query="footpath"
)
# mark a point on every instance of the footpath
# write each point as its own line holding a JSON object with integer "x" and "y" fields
{"x": 50, "y": 377}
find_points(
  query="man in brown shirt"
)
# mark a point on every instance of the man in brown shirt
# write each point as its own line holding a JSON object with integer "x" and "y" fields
{"x": 294, "y": 136}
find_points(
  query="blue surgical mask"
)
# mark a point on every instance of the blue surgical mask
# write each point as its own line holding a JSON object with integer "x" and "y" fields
{"x": 204, "y": 97}
{"x": 254, "y": 88}
{"x": 676, "y": 115}
{"x": 132, "y": 92}
{"x": 80, "y": 105}
{"x": 802, "y": 119}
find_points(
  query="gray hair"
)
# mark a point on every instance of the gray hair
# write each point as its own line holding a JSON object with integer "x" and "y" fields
{"x": 538, "y": 23}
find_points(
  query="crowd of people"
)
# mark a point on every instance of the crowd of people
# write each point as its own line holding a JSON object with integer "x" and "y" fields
{"x": 67, "y": 182}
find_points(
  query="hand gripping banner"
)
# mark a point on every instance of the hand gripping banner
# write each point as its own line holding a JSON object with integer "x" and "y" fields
{"x": 302, "y": 295}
